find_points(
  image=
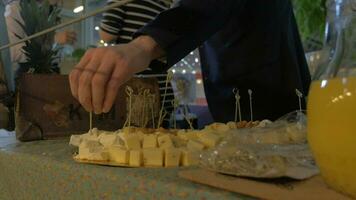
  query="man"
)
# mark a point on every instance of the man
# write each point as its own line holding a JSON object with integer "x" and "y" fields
{"x": 248, "y": 44}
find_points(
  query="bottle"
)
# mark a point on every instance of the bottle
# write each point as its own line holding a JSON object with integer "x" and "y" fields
{"x": 332, "y": 100}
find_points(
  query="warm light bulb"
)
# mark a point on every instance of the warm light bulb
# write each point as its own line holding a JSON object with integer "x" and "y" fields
{"x": 78, "y": 9}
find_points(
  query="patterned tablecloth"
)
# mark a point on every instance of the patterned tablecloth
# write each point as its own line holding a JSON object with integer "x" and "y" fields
{"x": 45, "y": 170}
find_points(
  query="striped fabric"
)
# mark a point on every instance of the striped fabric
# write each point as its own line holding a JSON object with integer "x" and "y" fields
{"x": 127, "y": 19}
{"x": 124, "y": 22}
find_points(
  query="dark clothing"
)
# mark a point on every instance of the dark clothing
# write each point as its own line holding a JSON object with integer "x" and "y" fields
{"x": 246, "y": 44}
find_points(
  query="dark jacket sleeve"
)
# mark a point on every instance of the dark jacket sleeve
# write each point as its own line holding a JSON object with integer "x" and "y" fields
{"x": 183, "y": 28}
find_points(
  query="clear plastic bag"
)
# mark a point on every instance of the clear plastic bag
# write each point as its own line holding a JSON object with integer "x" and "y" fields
{"x": 277, "y": 150}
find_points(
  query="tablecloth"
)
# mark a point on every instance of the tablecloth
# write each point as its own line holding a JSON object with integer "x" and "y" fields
{"x": 46, "y": 170}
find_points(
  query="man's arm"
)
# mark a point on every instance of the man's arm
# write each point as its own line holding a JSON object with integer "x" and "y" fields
{"x": 111, "y": 24}
{"x": 97, "y": 78}
{"x": 181, "y": 29}
{"x": 107, "y": 37}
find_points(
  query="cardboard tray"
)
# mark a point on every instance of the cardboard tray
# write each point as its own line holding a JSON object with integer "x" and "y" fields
{"x": 276, "y": 189}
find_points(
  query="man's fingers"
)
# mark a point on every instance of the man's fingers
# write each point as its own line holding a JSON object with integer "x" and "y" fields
{"x": 118, "y": 78}
{"x": 77, "y": 71}
{"x": 99, "y": 83}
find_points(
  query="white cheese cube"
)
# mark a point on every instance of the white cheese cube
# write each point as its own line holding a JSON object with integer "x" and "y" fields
{"x": 75, "y": 140}
{"x": 92, "y": 152}
{"x": 172, "y": 157}
{"x": 165, "y": 141}
{"x": 132, "y": 142}
{"x": 189, "y": 157}
{"x": 153, "y": 157}
{"x": 195, "y": 145}
{"x": 209, "y": 139}
{"x": 149, "y": 141}
{"x": 89, "y": 137}
{"x": 107, "y": 140}
{"x": 90, "y": 144}
{"x": 135, "y": 158}
{"x": 119, "y": 155}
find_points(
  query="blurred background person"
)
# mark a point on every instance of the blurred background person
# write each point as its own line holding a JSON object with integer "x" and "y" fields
{"x": 13, "y": 18}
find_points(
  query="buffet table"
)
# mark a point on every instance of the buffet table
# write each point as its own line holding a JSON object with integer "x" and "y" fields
{"x": 45, "y": 170}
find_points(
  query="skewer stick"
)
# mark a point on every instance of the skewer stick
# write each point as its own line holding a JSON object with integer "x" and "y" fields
{"x": 175, "y": 104}
{"x": 186, "y": 117}
{"x": 152, "y": 110}
{"x": 90, "y": 121}
{"x": 251, "y": 110}
{"x": 129, "y": 92}
{"x": 68, "y": 23}
{"x": 300, "y": 96}
{"x": 168, "y": 79}
{"x": 146, "y": 94}
{"x": 237, "y": 104}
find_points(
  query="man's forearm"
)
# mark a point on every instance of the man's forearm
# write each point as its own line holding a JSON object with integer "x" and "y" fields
{"x": 150, "y": 46}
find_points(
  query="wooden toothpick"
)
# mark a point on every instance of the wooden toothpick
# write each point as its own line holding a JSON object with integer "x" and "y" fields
{"x": 152, "y": 110}
{"x": 175, "y": 104}
{"x": 168, "y": 79}
{"x": 129, "y": 92}
{"x": 237, "y": 103}
{"x": 251, "y": 110}
{"x": 90, "y": 121}
{"x": 300, "y": 96}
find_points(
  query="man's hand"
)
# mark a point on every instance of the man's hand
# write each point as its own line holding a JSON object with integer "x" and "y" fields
{"x": 65, "y": 37}
{"x": 96, "y": 79}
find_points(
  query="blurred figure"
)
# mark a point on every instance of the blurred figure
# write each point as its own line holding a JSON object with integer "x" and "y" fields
{"x": 13, "y": 16}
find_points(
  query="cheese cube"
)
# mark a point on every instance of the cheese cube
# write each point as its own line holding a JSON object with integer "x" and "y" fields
{"x": 232, "y": 125}
{"x": 75, "y": 140}
{"x": 165, "y": 141}
{"x": 149, "y": 141}
{"x": 195, "y": 145}
{"x": 90, "y": 144}
{"x": 153, "y": 157}
{"x": 190, "y": 135}
{"x": 119, "y": 155}
{"x": 135, "y": 158}
{"x": 92, "y": 152}
{"x": 89, "y": 137}
{"x": 132, "y": 142}
{"x": 189, "y": 157}
{"x": 107, "y": 140}
{"x": 209, "y": 139}
{"x": 172, "y": 157}
{"x": 178, "y": 142}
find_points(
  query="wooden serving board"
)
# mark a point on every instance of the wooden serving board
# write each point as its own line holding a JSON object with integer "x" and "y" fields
{"x": 276, "y": 189}
{"x": 104, "y": 163}
{"x": 112, "y": 164}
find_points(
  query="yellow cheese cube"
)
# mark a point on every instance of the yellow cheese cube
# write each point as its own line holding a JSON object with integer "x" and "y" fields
{"x": 195, "y": 145}
{"x": 149, "y": 141}
{"x": 165, "y": 141}
{"x": 189, "y": 157}
{"x": 135, "y": 158}
{"x": 132, "y": 142}
{"x": 153, "y": 157}
{"x": 172, "y": 157}
{"x": 189, "y": 135}
{"x": 209, "y": 139}
{"x": 119, "y": 155}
